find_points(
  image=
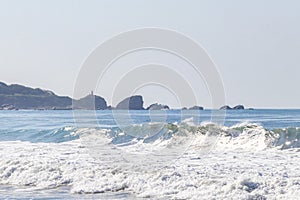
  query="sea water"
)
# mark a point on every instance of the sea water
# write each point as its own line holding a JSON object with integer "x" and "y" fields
{"x": 252, "y": 154}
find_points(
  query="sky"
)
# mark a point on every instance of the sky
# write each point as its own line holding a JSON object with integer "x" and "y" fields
{"x": 254, "y": 44}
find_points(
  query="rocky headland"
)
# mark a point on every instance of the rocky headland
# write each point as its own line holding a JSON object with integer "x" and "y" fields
{"x": 15, "y": 97}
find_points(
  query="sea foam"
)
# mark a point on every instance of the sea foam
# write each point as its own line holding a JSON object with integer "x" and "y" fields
{"x": 244, "y": 161}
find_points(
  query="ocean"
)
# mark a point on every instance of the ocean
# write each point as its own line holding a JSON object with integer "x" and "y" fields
{"x": 174, "y": 154}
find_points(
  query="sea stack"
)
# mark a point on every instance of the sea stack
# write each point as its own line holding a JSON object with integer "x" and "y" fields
{"x": 131, "y": 103}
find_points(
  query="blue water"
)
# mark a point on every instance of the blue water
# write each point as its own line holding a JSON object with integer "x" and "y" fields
{"x": 49, "y": 126}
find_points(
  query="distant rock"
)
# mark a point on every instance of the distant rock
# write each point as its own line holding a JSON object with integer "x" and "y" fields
{"x": 225, "y": 108}
{"x": 251, "y": 109}
{"x": 16, "y": 89}
{"x": 157, "y": 106}
{"x": 184, "y": 108}
{"x": 90, "y": 102}
{"x": 239, "y": 107}
{"x": 196, "y": 108}
{"x": 13, "y": 97}
{"x": 21, "y": 97}
{"x": 131, "y": 103}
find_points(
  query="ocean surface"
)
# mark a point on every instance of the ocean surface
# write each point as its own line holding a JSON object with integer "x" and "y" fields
{"x": 252, "y": 154}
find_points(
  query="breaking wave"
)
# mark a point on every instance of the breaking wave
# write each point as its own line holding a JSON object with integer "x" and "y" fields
{"x": 68, "y": 162}
{"x": 240, "y": 136}
{"x": 243, "y": 135}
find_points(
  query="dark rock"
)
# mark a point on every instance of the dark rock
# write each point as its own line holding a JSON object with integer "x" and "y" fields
{"x": 16, "y": 89}
{"x": 131, "y": 103}
{"x": 196, "y": 108}
{"x": 157, "y": 106}
{"x": 90, "y": 102}
{"x": 225, "y": 108}
{"x": 239, "y": 107}
{"x": 21, "y": 97}
{"x": 184, "y": 108}
{"x": 35, "y": 101}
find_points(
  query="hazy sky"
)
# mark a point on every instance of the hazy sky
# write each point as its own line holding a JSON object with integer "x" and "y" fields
{"x": 255, "y": 44}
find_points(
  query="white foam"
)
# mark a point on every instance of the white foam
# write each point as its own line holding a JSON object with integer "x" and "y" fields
{"x": 238, "y": 164}
{"x": 222, "y": 173}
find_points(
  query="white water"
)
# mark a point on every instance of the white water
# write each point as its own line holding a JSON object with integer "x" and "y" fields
{"x": 243, "y": 162}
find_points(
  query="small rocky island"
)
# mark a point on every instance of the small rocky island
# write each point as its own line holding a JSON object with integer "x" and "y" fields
{"x": 15, "y": 97}
{"x": 196, "y": 108}
{"x": 157, "y": 106}
{"x": 237, "y": 107}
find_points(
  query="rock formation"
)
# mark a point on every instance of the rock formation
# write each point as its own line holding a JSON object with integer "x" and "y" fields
{"x": 90, "y": 102}
{"x": 21, "y": 97}
{"x": 157, "y": 106}
{"x": 196, "y": 108}
{"x": 131, "y": 103}
{"x": 14, "y": 97}
{"x": 238, "y": 107}
{"x": 225, "y": 108}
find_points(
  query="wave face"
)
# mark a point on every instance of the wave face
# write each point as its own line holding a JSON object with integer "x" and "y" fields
{"x": 240, "y": 136}
{"x": 155, "y": 133}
